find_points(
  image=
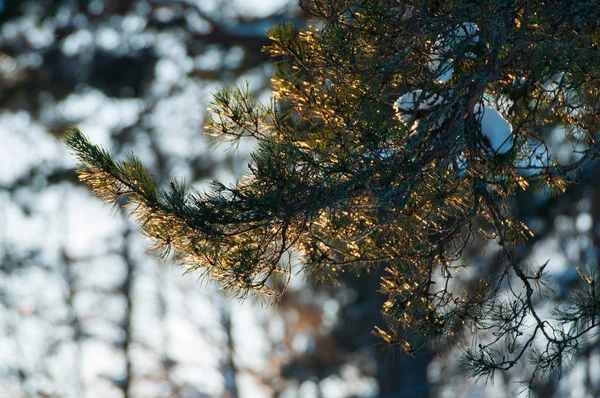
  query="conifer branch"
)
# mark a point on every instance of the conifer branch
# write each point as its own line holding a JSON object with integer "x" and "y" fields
{"x": 395, "y": 138}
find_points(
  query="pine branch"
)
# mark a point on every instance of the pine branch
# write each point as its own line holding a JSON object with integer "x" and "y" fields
{"x": 395, "y": 138}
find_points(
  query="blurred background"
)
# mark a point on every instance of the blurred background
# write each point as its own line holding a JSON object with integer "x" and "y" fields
{"x": 86, "y": 312}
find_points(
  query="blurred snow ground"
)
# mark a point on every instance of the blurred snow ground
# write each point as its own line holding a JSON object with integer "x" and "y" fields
{"x": 84, "y": 311}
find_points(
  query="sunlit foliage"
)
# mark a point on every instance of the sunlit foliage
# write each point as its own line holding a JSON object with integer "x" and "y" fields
{"x": 342, "y": 178}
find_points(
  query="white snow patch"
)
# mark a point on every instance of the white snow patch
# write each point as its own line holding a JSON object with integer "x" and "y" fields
{"x": 76, "y": 42}
{"x": 195, "y": 22}
{"x": 38, "y": 292}
{"x": 31, "y": 344}
{"x": 42, "y": 230}
{"x": 209, "y": 381}
{"x": 418, "y": 100}
{"x": 409, "y": 105}
{"x": 248, "y": 331}
{"x": 256, "y": 9}
{"x": 107, "y": 38}
{"x": 102, "y": 272}
{"x": 89, "y": 227}
{"x": 330, "y": 314}
{"x": 39, "y": 35}
{"x": 495, "y": 128}
{"x": 308, "y": 389}
{"x": 62, "y": 367}
{"x": 104, "y": 329}
{"x": 251, "y": 386}
{"x": 303, "y": 343}
{"x": 171, "y": 45}
{"x": 101, "y": 359}
{"x": 584, "y": 222}
{"x": 184, "y": 344}
{"x": 441, "y": 58}
{"x": 95, "y": 109}
{"x": 168, "y": 74}
{"x": 144, "y": 361}
{"x": 96, "y": 7}
{"x": 413, "y": 101}
{"x": 25, "y": 144}
{"x": 180, "y": 127}
{"x": 333, "y": 387}
{"x": 357, "y": 384}
{"x": 574, "y": 384}
{"x": 210, "y": 60}
{"x": 594, "y": 363}
{"x": 89, "y": 304}
{"x": 548, "y": 250}
{"x": 445, "y": 72}
{"x": 133, "y": 23}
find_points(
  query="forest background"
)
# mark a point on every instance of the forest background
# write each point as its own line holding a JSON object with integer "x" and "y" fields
{"x": 84, "y": 312}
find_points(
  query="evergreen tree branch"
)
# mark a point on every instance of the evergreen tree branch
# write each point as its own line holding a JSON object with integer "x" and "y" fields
{"x": 352, "y": 180}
